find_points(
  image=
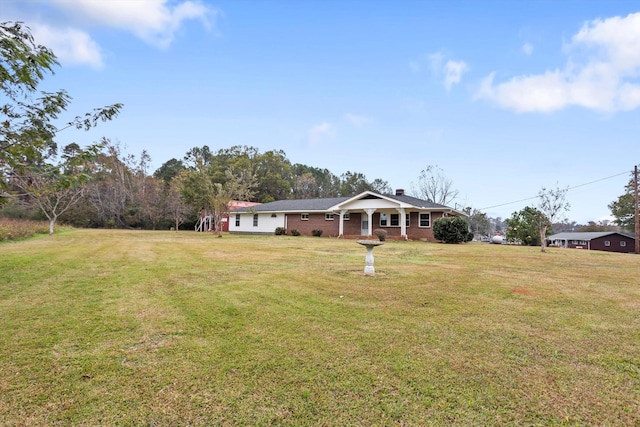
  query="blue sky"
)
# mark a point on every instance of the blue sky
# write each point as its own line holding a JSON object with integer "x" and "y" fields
{"x": 506, "y": 97}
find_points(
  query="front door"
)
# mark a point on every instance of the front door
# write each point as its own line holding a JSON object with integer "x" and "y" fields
{"x": 364, "y": 227}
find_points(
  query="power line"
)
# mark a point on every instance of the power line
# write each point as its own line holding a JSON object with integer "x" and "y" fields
{"x": 569, "y": 188}
{"x": 597, "y": 180}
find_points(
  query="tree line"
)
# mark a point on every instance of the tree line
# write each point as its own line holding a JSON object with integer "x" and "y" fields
{"x": 121, "y": 192}
{"x": 100, "y": 185}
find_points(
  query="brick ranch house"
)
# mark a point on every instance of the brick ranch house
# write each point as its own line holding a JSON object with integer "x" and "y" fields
{"x": 610, "y": 241}
{"x": 403, "y": 217}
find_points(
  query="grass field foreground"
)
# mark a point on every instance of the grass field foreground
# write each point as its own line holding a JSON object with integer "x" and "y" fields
{"x": 108, "y": 327}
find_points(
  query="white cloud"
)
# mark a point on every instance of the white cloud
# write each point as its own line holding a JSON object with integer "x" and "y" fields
{"x": 317, "y": 132}
{"x": 357, "y": 120}
{"x": 153, "y": 21}
{"x": 616, "y": 39}
{"x": 449, "y": 70}
{"x": 453, "y": 71}
{"x": 71, "y": 46}
{"x": 527, "y": 49}
{"x": 601, "y": 73}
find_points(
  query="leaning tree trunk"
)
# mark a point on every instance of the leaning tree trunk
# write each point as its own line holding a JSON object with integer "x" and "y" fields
{"x": 52, "y": 222}
{"x": 543, "y": 239}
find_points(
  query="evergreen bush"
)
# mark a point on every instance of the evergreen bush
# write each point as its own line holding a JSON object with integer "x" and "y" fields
{"x": 451, "y": 230}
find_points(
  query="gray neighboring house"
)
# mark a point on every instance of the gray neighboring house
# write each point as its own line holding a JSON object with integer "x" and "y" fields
{"x": 610, "y": 241}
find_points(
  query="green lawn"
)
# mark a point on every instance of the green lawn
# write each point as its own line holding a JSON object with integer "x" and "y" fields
{"x": 107, "y": 327}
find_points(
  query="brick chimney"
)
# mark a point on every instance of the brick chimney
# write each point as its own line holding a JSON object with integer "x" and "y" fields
{"x": 400, "y": 192}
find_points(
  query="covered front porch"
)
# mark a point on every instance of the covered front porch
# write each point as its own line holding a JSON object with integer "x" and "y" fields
{"x": 359, "y": 216}
{"x": 361, "y": 222}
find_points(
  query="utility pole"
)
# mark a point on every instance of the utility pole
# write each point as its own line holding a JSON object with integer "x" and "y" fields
{"x": 635, "y": 178}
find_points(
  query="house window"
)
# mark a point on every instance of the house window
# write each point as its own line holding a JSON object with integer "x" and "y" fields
{"x": 607, "y": 243}
{"x": 392, "y": 220}
{"x": 574, "y": 242}
{"x": 407, "y": 220}
{"x": 304, "y": 217}
{"x": 623, "y": 243}
{"x": 583, "y": 242}
{"x": 425, "y": 220}
{"x": 328, "y": 217}
{"x": 346, "y": 217}
{"x": 237, "y": 220}
{"x": 255, "y": 220}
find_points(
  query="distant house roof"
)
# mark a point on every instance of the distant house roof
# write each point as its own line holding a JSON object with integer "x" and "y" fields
{"x": 586, "y": 235}
{"x": 327, "y": 204}
{"x": 237, "y": 204}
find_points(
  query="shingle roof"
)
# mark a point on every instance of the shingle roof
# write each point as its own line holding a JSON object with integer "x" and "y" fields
{"x": 585, "y": 235}
{"x": 296, "y": 205}
{"x": 323, "y": 205}
{"x": 419, "y": 203}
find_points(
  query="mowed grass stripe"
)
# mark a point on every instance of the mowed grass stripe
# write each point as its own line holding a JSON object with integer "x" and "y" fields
{"x": 109, "y": 327}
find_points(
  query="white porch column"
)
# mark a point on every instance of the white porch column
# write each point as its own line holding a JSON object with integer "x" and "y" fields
{"x": 343, "y": 212}
{"x": 370, "y": 216}
{"x": 403, "y": 223}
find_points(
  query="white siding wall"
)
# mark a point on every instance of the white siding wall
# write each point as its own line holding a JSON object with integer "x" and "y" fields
{"x": 266, "y": 223}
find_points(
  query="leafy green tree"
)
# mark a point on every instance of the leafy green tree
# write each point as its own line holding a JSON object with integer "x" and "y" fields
{"x": 353, "y": 183}
{"x": 552, "y": 204}
{"x": 305, "y": 186}
{"x": 523, "y": 227}
{"x": 597, "y": 226}
{"x": 169, "y": 170}
{"x": 381, "y": 187}
{"x": 26, "y": 115}
{"x": 198, "y": 156}
{"x": 237, "y": 158}
{"x": 623, "y": 209}
{"x": 479, "y": 223}
{"x": 176, "y": 206}
{"x": 28, "y": 152}
{"x": 452, "y": 230}
{"x": 26, "y": 128}
{"x": 323, "y": 184}
{"x": 120, "y": 187}
{"x": 203, "y": 192}
{"x": 152, "y": 209}
{"x": 54, "y": 187}
{"x": 274, "y": 179}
